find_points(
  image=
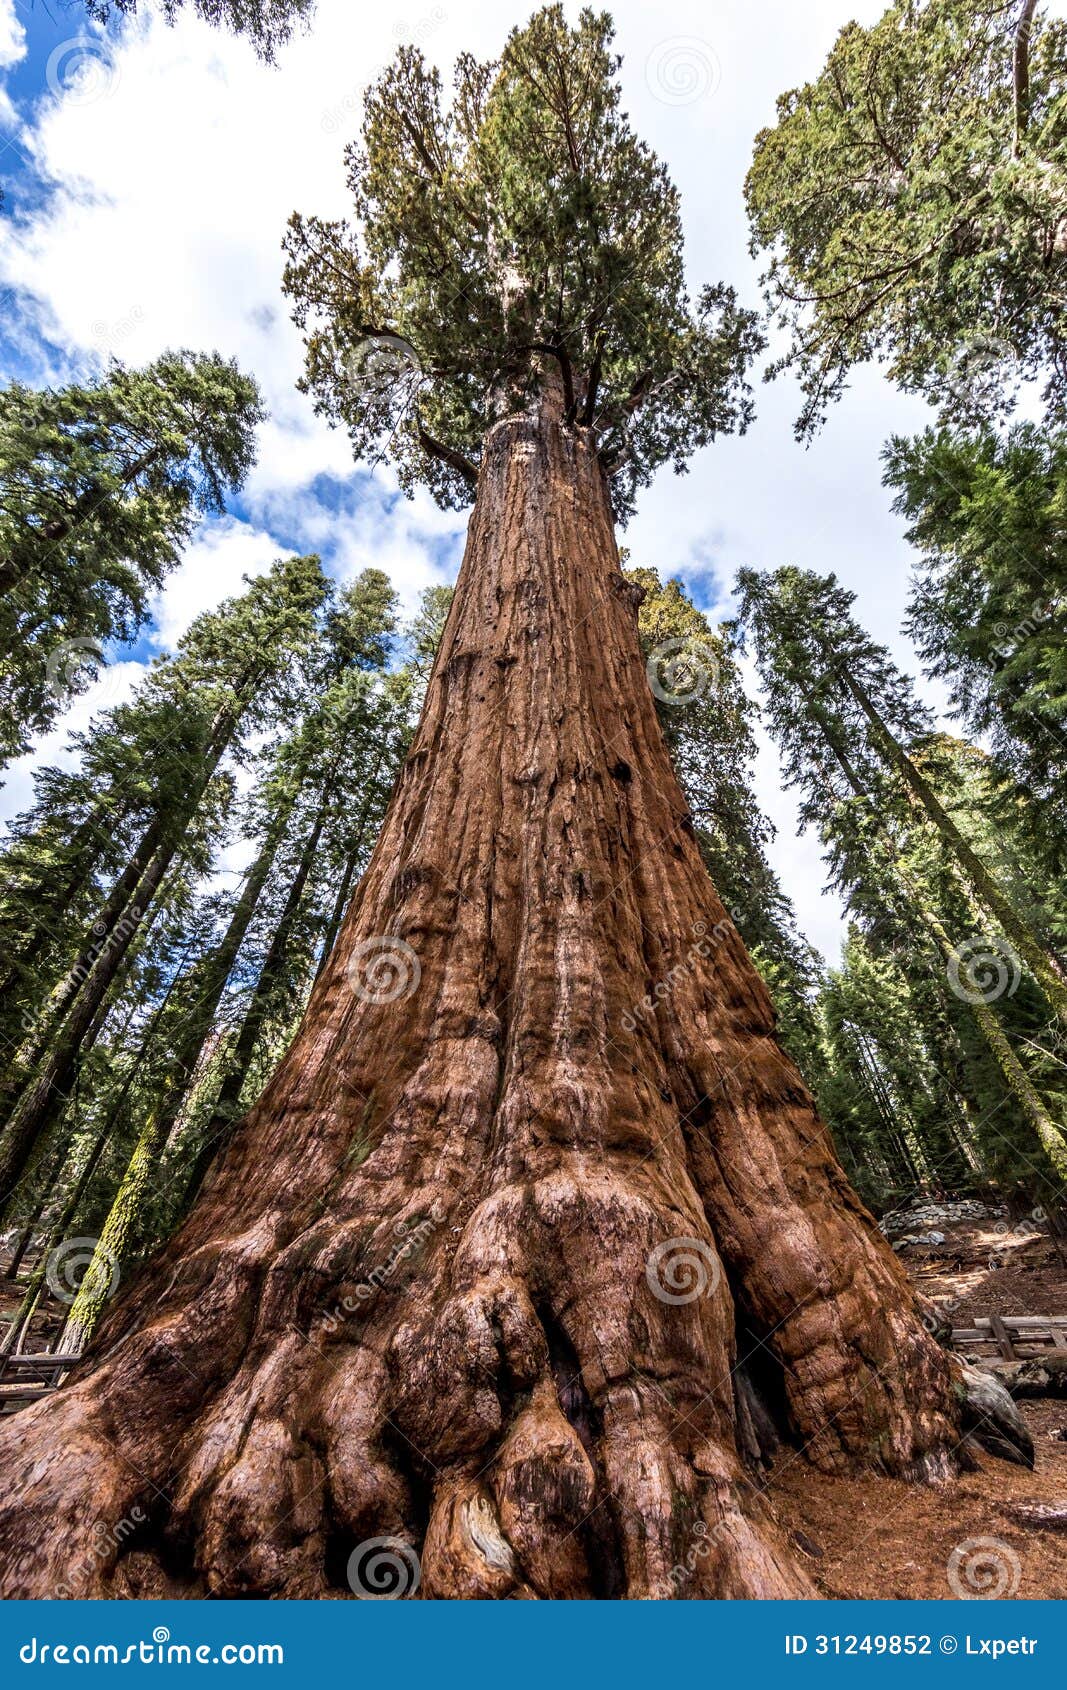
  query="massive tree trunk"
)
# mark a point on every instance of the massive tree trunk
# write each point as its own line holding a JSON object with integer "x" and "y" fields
{"x": 469, "y": 1274}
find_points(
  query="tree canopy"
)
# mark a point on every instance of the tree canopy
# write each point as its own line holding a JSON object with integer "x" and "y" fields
{"x": 912, "y": 200}
{"x": 268, "y": 24}
{"x": 519, "y": 230}
{"x": 102, "y": 483}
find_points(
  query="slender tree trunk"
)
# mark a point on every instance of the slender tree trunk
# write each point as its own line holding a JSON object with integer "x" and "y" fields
{"x": 53, "y": 901}
{"x": 437, "y": 1287}
{"x": 81, "y": 1183}
{"x": 1044, "y": 965}
{"x": 1012, "y": 1071}
{"x": 25, "y": 1312}
{"x": 47, "y": 1185}
{"x": 124, "y": 1216}
{"x": 47, "y": 1089}
{"x": 227, "y": 1103}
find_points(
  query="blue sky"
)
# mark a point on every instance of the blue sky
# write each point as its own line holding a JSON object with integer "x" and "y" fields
{"x": 147, "y": 182}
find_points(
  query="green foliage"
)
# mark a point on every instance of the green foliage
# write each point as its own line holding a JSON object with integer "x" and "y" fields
{"x": 911, "y": 200}
{"x": 268, "y": 24}
{"x": 927, "y": 1064}
{"x": 987, "y": 514}
{"x": 518, "y": 237}
{"x": 806, "y": 642}
{"x": 100, "y": 486}
{"x": 707, "y": 721}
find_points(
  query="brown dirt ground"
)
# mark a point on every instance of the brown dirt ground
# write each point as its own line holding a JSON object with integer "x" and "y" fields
{"x": 870, "y": 1538}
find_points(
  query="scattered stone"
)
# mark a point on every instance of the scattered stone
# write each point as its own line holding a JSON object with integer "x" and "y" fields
{"x": 1039, "y": 1376}
{"x": 1045, "y": 1516}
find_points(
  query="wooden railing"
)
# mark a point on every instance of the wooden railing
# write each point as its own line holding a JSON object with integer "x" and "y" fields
{"x": 1013, "y": 1337}
{"x": 24, "y": 1378}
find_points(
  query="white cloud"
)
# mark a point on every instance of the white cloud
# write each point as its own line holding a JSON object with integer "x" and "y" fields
{"x": 12, "y": 50}
{"x": 173, "y": 186}
{"x": 212, "y": 568}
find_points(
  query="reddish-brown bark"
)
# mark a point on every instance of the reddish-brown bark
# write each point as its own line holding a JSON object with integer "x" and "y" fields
{"x": 416, "y": 1298}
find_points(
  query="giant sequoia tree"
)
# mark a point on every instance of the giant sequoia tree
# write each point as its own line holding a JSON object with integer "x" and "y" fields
{"x": 471, "y": 1273}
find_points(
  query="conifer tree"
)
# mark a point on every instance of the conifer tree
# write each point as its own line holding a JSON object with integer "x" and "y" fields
{"x": 817, "y": 667}
{"x": 910, "y": 202}
{"x": 986, "y": 514}
{"x": 100, "y": 485}
{"x": 229, "y": 672}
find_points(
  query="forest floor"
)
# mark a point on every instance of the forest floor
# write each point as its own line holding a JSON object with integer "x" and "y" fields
{"x": 871, "y": 1537}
